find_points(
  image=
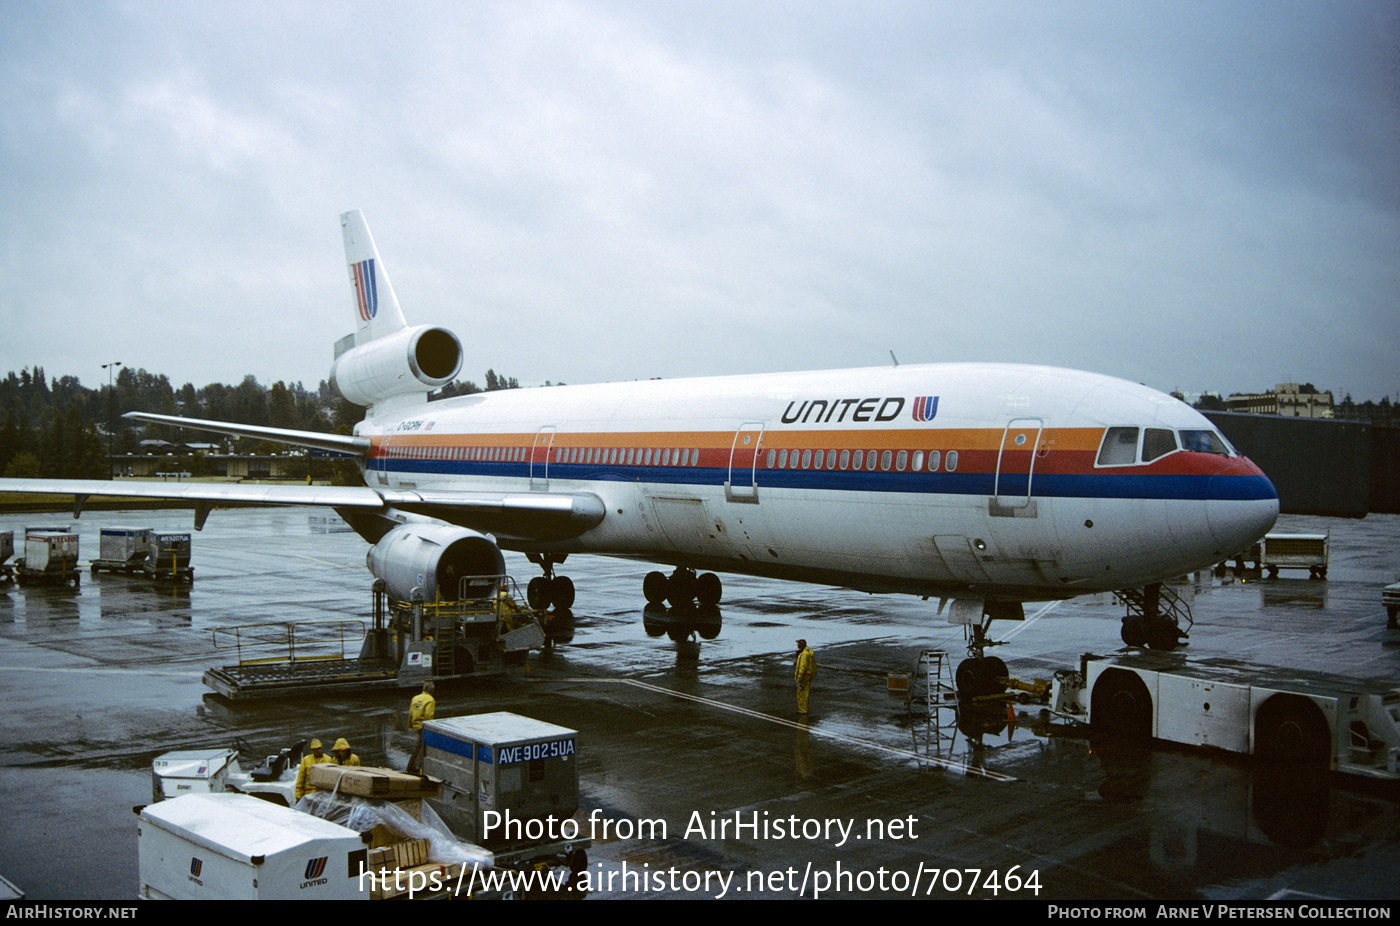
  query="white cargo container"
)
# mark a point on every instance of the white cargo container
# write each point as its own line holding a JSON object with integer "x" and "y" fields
{"x": 50, "y": 555}
{"x": 1296, "y": 551}
{"x": 237, "y": 847}
{"x": 192, "y": 771}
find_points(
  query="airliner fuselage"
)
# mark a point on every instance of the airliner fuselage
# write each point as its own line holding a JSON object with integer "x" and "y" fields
{"x": 985, "y": 479}
{"x": 988, "y": 484}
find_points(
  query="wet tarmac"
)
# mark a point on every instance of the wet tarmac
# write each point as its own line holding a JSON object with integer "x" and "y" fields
{"x": 695, "y": 767}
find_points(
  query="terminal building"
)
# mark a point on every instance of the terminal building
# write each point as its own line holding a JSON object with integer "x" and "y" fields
{"x": 1290, "y": 399}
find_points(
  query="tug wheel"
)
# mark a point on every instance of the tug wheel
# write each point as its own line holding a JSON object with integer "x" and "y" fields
{"x": 1121, "y": 706}
{"x": 1291, "y": 730}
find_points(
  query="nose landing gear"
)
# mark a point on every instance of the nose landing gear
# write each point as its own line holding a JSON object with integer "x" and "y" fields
{"x": 981, "y": 675}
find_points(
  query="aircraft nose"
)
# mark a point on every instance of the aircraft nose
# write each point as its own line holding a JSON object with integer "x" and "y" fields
{"x": 1241, "y": 506}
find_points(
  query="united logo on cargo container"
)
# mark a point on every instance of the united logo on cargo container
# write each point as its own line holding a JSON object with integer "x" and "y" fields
{"x": 507, "y": 755}
{"x": 315, "y": 868}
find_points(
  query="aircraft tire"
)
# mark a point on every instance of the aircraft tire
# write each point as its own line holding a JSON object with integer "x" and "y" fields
{"x": 995, "y": 670}
{"x": 537, "y": 594}
{"x": 1162, "y": 635}
{"x": 680, "y": 588}
{"x": 1121, "y": 706}
{"x": 708, "y": 590}
{"x": 976, "y": 678}
{"x": 561, "y": 592}
{"x": 1133, "y": 632}
{"x": 655, "y": 587}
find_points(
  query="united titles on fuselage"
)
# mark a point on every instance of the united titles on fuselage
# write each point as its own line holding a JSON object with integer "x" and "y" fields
{"x": 825, "y": 411}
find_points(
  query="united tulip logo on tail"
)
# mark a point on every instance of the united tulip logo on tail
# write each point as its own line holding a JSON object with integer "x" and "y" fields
{"x": 366, "y": 293}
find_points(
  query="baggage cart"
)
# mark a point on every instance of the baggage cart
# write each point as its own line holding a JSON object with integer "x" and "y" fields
{"x": 169, "y": 558}
{"x": 122, "y": 549}
{"x": 50, "y": 557}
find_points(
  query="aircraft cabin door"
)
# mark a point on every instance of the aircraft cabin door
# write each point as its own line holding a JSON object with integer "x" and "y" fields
{"x": 381, "y": 465}
{"x": 539, "y": 457}
{"x": 742, "y": 486}
{"x": 1012, "y": 489}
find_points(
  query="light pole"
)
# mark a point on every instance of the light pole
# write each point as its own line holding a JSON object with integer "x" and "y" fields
{"x": 111, "y": 369}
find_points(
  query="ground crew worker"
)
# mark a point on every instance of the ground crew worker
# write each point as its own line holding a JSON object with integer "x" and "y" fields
{"x": 314, "y": 757}
{"x": 421, "y": 708}
{"x": 343, "y": 755}
{"x": 805, "y": 671}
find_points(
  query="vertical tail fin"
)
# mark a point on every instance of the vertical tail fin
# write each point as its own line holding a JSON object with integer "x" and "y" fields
{"x": 377, "y": 311}
{"x": 385, "y": 361}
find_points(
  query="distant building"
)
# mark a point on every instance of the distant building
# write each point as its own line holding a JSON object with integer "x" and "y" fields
{"x": 1289, "y": 399}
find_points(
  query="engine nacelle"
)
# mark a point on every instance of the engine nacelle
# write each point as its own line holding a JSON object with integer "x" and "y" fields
{"x": 434, "y": 558}
{"x": 418, "y": 359}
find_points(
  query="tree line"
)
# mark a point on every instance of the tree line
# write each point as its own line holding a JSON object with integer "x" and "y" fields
{"x": 61, "y": 429}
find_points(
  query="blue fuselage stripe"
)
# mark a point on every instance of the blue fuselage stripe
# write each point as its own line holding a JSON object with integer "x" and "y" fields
{"x": 1093, "y": 485}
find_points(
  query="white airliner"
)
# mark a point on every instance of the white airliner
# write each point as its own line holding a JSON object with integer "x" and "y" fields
{"x": 985, "y": 484}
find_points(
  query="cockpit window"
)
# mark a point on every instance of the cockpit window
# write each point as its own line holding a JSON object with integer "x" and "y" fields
{"x": 1119, "y": 447}
{"x": 1157, "y": 442}
{"x": 1205, "y": 442}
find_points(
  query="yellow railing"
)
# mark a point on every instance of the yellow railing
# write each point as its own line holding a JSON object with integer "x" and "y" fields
{"x": 288, "y": 636}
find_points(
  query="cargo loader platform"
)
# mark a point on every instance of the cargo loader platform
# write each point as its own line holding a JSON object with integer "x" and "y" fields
{"x": 406, "y": 644}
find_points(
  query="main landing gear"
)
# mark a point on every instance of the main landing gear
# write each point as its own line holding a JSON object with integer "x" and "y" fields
{"x": 549, "y": 590}
{"x": 683, "y": 588}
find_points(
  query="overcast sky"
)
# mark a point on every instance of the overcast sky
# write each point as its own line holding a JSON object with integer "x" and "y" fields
{"x": 1197, "y": 196}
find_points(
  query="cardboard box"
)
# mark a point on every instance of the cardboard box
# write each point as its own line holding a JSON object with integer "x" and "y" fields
{"x": 383, "y": 783}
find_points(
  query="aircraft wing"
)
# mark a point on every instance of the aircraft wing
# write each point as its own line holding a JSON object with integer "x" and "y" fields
{"x": 355, "y": 446}
{"x": 528, "y": 516}
{"x": 531, "y": 516}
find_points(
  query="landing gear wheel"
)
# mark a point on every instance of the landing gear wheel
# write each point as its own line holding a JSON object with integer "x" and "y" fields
{"x": 561, "y": 592}
{"x": 708, "y": 590}
{"x": 1134, "y": 631}
{"x": 1163, "y": 635}
{"x": 1291, "y": 731}
{"x": 681, "y": 588}
{"x": 655, "y": 587}
{"x": 980, "y": 676}
{"x": 1121, "y": 706}
{"x": 537, "y": 593}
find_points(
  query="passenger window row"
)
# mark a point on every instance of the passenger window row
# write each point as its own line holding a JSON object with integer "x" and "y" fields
{"x": 884, "y": 460}
{"x": 869, "y": 460}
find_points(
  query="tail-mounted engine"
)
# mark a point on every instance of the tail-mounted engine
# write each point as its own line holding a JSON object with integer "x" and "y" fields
{"x": 418, "y": 359}
{"x": 433, "y": 559}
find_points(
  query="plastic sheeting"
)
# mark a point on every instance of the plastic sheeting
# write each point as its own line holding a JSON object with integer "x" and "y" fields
{"x": 363, "y": 814}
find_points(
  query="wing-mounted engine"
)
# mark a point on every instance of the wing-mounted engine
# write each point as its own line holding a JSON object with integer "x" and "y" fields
{"x": 435, "y": 558}
{"x": 411, "y": 360}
